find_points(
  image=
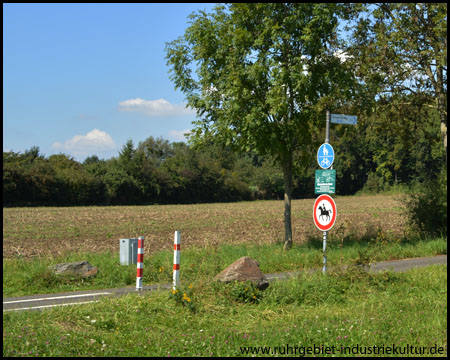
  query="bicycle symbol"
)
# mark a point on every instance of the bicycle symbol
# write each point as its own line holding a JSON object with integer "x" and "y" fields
{"x": 325, "y": 162}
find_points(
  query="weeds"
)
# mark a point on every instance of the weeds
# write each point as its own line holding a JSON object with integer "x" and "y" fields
{"x": 245, "y": 292}
{"x": 184, "y": 297}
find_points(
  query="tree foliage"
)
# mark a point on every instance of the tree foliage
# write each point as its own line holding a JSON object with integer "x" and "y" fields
{"x": 400, "y": 50}
{"x": 257, "y": 74}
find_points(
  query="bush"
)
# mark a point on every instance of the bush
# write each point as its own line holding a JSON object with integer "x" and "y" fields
{"x": 427, "y": 209}
{"x": 373, "y": 185}
{"x": 239, "y": 291}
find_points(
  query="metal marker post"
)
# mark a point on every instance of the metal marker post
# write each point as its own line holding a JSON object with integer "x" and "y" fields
{"x": 140, "y": 263}
{"x": 176, "y": 259}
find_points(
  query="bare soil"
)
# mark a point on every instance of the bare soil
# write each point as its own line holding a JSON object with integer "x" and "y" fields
{"x": 55, "y": 231}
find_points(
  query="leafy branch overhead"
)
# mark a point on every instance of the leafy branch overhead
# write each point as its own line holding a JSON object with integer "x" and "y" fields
{"x": 255, "y": 72}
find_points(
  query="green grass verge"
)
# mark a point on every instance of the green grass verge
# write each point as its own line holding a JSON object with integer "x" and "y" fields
{"x": 345, "y": 309}
{"x": 26, "y": 277}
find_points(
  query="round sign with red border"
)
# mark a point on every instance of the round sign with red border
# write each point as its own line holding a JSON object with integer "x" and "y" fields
{"x": 324, "y": 212}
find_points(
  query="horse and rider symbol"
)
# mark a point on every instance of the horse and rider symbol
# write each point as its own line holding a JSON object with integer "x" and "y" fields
{"x": 324, "y": 213}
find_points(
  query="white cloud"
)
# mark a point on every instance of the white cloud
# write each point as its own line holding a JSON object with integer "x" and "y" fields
{"x": 176, "y": 135}
{"x": 93, "y": 142}
{"x": 153, "y": 108}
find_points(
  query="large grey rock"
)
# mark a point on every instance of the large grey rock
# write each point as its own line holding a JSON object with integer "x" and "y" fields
{"x": 244, "y": 269}
{"x": 79, "y": 268}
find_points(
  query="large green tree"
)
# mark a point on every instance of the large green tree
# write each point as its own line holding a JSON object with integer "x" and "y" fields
{"x": 400, "y": 51}
{"x": 259, "y": 76}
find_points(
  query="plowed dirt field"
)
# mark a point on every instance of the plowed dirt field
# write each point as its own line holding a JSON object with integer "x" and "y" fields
{"x": 54, "y": 231}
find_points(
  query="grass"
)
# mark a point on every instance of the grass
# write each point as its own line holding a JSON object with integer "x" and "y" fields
{"x": 32, "y": 276}
{"x": 204, "y": 318}
{"x": 342, "y": 310}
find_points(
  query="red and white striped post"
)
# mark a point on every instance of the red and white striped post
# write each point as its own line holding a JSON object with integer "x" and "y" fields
{"x": 140, "y": 263}
{"x": 176, "y": 259}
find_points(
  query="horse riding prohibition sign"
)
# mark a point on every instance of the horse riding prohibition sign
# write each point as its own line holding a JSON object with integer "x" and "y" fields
{"x": 324, "y": 212}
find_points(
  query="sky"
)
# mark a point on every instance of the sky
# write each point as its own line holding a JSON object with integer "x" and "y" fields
{"x": 83, "y": 79}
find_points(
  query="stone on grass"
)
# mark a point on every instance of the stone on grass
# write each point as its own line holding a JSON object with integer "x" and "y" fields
{"x": 244, "y": 269}
{"x": 79, "y": 268}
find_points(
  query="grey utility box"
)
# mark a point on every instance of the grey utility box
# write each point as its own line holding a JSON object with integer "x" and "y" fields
{"x": 128, "y": 251}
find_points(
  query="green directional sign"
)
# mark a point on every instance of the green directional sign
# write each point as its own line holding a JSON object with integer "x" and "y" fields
{"x": 325, "y": 182}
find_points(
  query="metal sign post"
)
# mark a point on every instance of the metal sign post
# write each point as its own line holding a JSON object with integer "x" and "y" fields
{"x": 327, "y": 141}
{"x": 327, "y": 130}
{"x": 324, "y": 215}
{"x": 325, "y": 208}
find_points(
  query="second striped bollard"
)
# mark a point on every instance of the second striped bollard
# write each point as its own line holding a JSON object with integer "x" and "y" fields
{"x": 140, "y": 263}
{"x": 176, "y": 259}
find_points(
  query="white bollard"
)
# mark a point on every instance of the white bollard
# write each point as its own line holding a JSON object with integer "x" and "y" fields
{"x": 176, "y": 259}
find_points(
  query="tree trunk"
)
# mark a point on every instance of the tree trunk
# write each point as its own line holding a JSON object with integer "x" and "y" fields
{"x": 287, "y": 175}
{"x": 442, "y": 106}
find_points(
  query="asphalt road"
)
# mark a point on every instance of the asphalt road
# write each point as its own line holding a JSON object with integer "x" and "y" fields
{"x": 41, "y": 302}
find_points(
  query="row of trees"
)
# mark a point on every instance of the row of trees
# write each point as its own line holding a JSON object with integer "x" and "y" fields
{"x": 153, "y": 172}
{"x": 384, "y": 150}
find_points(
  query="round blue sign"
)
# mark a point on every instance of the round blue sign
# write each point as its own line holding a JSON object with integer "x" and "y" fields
{"x": 325, "y": 156}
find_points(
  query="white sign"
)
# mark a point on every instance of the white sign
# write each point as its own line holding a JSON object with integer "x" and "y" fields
{"x": 343, "y": 119}
{"x": 324, "y": 212}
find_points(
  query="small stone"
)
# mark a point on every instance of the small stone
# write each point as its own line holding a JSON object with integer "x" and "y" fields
{"x": 79, "y": 268}
{"x": 244, "y": 269}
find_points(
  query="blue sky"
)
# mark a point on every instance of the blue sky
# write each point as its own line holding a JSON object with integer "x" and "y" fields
{"x": 82, "y": 79}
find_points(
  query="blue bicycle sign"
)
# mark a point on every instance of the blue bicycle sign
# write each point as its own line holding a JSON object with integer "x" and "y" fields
{"x": 325, "y": 156}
